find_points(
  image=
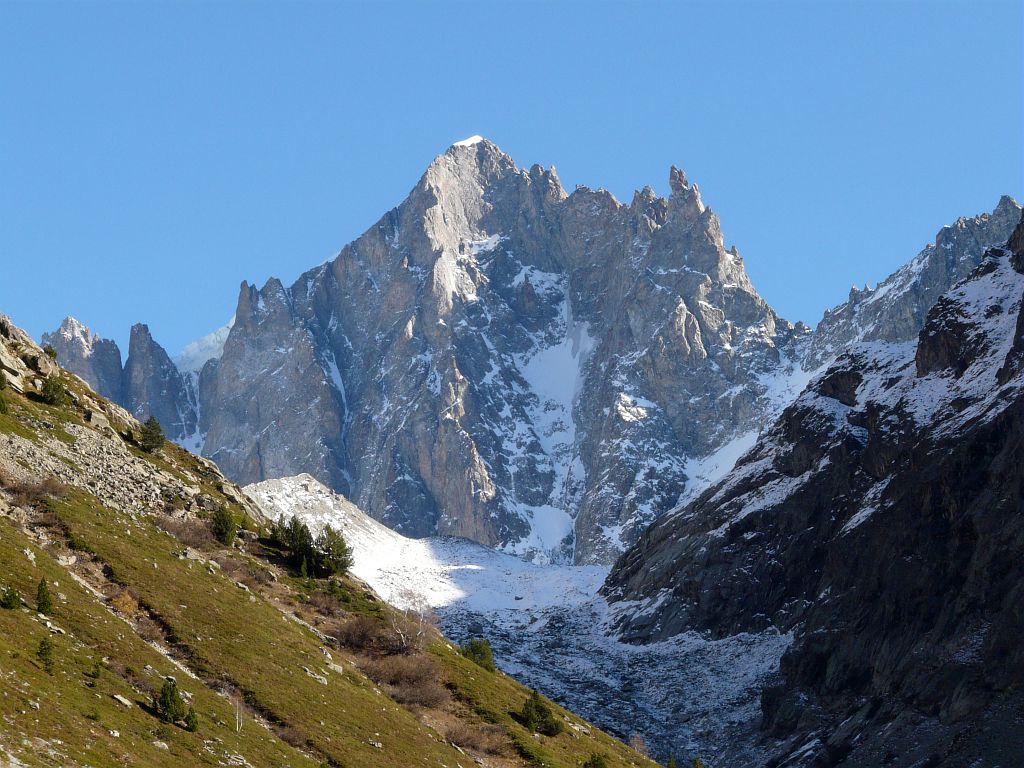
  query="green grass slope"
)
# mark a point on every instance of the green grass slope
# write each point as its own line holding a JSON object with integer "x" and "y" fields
{"x": 280, "y": 670}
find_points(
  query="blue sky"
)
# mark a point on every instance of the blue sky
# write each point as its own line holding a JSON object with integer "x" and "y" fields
{"x": 153, "y": 155}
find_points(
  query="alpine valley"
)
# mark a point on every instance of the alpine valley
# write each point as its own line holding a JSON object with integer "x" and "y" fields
{"x": 571, "y": 426}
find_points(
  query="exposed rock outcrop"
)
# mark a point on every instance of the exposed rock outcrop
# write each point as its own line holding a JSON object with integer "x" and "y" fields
{"x": 500, "y": 360}
{"x": 153, "y": 386}
{"x": 896, "y": 308}
{"x": 95, "y": 360}
{"x": 878, "y": 519}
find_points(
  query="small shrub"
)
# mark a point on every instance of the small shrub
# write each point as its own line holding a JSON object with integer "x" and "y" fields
{"x": 125, "y": 603}
{"x": 44, "y": 600}
{"x": 53, "y": 392}
{"x": 3, "y": 404}
{"x": 478, "y": 650}
{"x": 151, "y": 436}
{"x": 484, "y": 738}
{"x": 10, "y": 599}
{"x": 93, "y": 714}
{"x": 3, "y": 381}
{"x": 293, "y": 736}
{"x": 191, "y": 721}
{"x": 224, "y": 526}
{"x": 191, "y": 533}
{"x": 326, "y": 603}
{"x": 637, "y": 744}
{"x": 30, "y": 493}
{"x": 538, "y": 717}
{"x": 412, "y": 680}
{"x": 596, "y": 761}
{"x": 50, "y": 352}
{"x": 362, "y": 633}
{"x": 169, "y": 705}
{"x": 94, "y": 674}
{"x": 44, "y": 653}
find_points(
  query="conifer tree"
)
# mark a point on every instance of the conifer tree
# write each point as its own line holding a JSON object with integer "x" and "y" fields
{"x": 224, "y": 526}
{"x": 191, "y": 721}
{"x": 44, "y": 600}
{"x": 151, "y": 436}
{"x": 10, "y": 599}
{"x": 538, "y": 717}
{"x": 479, "y": 651}
{"x": 45, "y": 654}
{"x": 169, "y": 705}
{"x": 53, "y": 391}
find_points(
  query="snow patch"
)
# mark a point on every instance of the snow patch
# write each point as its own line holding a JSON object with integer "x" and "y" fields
{"x": 195, "y": 355}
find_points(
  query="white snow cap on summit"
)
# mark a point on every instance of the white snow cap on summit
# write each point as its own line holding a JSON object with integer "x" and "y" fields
{"x": 468, "y": 142}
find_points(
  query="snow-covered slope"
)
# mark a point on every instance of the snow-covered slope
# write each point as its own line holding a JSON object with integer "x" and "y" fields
{"x": 443, "y": 571}
{"x": 548, "y": 628}
{"x": 195, "y": 355}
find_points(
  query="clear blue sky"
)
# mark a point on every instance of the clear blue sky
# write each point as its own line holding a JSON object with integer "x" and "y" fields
{"x": 153, "y": 155}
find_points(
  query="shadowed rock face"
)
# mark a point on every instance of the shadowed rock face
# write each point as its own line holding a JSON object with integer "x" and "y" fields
{"x": 500, "y": 360}
{"x": 880, "y": 519}
{"x": 153, "y": 386}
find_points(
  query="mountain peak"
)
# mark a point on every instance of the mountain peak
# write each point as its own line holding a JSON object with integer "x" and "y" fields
{"x": 472, "y": 140}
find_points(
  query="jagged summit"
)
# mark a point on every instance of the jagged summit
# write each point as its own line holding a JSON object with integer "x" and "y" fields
{"x": 503, "y": 361}
{"x": 96, "y": 360}
{"x": 471, "y": 141}
{"x": 895, "y": 309}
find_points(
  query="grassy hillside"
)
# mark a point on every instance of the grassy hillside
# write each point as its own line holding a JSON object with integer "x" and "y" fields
{"x": 280, "y": 670}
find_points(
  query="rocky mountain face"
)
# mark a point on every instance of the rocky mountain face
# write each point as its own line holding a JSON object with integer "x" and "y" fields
{"x": 95, "y": 360}
{"x": 153, "y": 386}
{"x": 149, "y": 383}
{"x": 878, "y": 520}
{"x": 500, "y": 360}
{"x": 895, "y": 309}
{"x": 541, "y": 371}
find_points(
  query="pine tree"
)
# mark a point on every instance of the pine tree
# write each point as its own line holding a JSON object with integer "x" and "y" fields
{"x": 45, "y": 654}
{"x": 151, "y": 436}
{"x": 671, "y": 762}
{"x": 10, "y": 599}
{"x": 224, "y": 526}
{"x": 169, "y": 705}
{"x": 479, "y": 651}
{"x": 3, "y": 404}
{"x": 333, "y": 554}
{"x": 538, "y": 717}
{"x": 191, "y": 721}
{"x": 698, "y": 763}
{"x": 53, "y": 391}
{"x": 3, "y": 381}
{"x": 44, "y": 600}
